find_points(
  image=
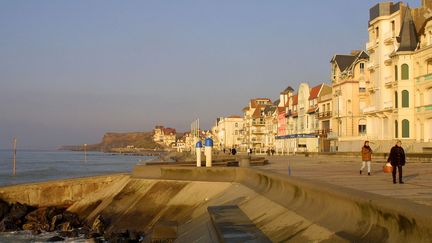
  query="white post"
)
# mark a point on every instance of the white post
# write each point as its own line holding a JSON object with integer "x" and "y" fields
{"x": 198, "y": 147}
{"x": 208, "y": 151}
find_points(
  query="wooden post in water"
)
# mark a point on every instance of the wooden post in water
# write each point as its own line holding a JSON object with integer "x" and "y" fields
{"x": 14, "y": 156}
{"x": 85, "y": 153}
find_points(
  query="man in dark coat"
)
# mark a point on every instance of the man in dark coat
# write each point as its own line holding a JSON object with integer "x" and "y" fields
{"x": 397, "y": 160}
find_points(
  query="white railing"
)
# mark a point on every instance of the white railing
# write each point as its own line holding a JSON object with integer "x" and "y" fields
{"x": 388, "y": 104}
{"x": 369, "y": 109}
{"x": 389, "y": 37}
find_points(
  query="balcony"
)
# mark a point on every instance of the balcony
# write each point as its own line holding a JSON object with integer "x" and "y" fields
{"x": 255, "y": 123}
{"x": 388, "y": 81}
{"x": 427, "y": 109}
{"x": 388, "y": 105}
{"x": 389, "y": 38}
{"x": 370, "y": 46}
{"x": 258, "y": 131}
{"x": 424, "y": 79}
{"x": 372, "y": 89}
{"x": 323, "y": 132}
{"x": 387, "y": 60}
{"x": 324, "y": 114}
{"x": 369, "y": 109}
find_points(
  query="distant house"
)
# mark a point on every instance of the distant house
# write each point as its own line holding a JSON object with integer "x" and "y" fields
{"x": 164, "y": 135}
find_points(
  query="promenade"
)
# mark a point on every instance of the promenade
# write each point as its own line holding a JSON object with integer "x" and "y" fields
{"x": 344, "y": 171}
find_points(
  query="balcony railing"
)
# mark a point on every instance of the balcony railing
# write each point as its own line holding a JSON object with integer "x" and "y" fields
{"x": 324, "y": 114}
{"x": 388, "y": 105}
{"x": 255, "y": 123}
{"x": 369, "y": 109}
{"x": 370, "y": 46}
{"x": 424, "y": 79}
{"x": 258, "y": 131}
{"x": 323, "y": 132}
{"x": 426, "y": 108}
{"x": 389, "y": 37}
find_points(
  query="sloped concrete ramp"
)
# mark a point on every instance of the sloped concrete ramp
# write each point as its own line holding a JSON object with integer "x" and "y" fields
{"x": 284, "y": 209}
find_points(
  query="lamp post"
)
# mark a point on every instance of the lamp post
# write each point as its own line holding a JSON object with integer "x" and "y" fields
{"x": 14, "y": 156}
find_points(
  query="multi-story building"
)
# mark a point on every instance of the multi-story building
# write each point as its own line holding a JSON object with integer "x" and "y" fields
{"x": 400, "y": 63}
{"x": 302, "y": 123}
{"x": 228, "y": 132}
{"x": 349, "y": 82}
{"x": 255, "y": 125}
{"x": 164, "y": 135}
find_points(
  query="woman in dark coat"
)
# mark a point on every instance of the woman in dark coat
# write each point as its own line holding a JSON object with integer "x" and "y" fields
{"x": 397, "y": 160}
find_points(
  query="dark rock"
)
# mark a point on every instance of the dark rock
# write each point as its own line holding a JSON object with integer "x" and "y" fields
{"x": 55, "y": 238}
{"x": 84, "y": 230}
{"x": 98, "y": 225}
{"x": 30, "y": 226}
{"x": 55, "y": 221}
{"x": 72, "y": 218}
{"x": 4, "y": 209}
{"x": 69, "y": 234}
{"x": 9, "y": 224}
{"x": 18, "y": 210}
{"x": 93, "y": 235}
{"x": 66, "y": 226}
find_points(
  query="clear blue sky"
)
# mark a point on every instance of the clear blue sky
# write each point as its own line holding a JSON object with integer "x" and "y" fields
{"x": 72, "y": 70}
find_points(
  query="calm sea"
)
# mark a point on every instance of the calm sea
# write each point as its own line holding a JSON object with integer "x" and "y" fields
{"x": 34, "y": 165}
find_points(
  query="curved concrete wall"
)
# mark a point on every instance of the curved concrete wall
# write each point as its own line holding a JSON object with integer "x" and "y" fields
{"x": 352, "y": 215}
{"x": 57, "y": 192}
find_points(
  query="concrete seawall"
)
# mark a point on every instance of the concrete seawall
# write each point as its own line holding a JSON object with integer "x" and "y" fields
{"x": 57, "y": 192}
{"x": 350, "y": 214}
{"x": 283, "y": 208}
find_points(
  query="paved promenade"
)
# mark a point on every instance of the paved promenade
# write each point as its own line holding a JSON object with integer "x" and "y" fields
{"x": 344, "y": 171}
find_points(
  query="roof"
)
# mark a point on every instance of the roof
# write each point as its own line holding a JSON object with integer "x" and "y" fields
{"x": 295, "y": 99}
{"x": 269, "y": 108}
{"x": 408, "y": 36}
{"x": 257, "y": 113}
{"x": 169, "y": 130}
{"x": 344, "y": 61}
{"x": 254, "y": 103}
{"x": 276, "y": 102}
{"x": 288, "y": 89}
{"x": 314, "y": 92}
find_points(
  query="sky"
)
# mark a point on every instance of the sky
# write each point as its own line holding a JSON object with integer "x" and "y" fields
{"x": 72, "y": 70}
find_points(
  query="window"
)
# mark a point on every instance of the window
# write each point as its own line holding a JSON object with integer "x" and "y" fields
{"x": 429, "y": 66}
{"x": 405, "y": 71}
{"x": 396, "y": 99}
{"x": 396, "y": 72}
{"x": 405, "y": 128}
{"x": 405, "y": 99}
{"x": 236, "y": 124}
{"x": 362, "y": 67}
{"x": 362, "y": 129}
{"x": 393, "y": 28}
{"x": 377, "y": 33}
{"x": 396, "y": 129}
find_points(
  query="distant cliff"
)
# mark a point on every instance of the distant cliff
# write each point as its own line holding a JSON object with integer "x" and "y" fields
{"x": 141, "y": 140}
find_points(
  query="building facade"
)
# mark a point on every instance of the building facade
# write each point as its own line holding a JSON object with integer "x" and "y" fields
{"x": 350, "y": 78}
{"x": 400, "y": 54}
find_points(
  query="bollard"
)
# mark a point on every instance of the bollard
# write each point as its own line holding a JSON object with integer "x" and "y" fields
{"x": 208, "y": 151}
{"x": 198, "y": 147}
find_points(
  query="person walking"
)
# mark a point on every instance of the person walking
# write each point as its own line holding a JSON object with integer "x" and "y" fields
{"x": 233, "y": 151}
{"x": 397, "y": 160}
{"x": 366, "y": 153}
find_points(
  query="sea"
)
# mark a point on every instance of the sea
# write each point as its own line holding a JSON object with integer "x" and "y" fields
{"x": 40, "y": 165}
{"x": 44, "y": 165}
